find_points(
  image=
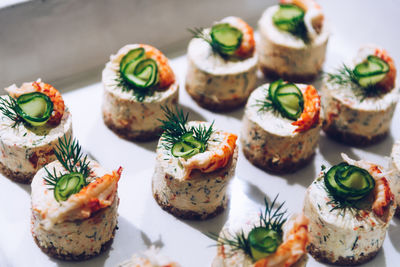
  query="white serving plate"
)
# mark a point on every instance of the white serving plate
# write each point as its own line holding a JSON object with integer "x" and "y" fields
{"x": 141, "y": 221}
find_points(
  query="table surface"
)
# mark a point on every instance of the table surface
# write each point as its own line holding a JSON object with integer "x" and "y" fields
{"x": 141, "y": 221}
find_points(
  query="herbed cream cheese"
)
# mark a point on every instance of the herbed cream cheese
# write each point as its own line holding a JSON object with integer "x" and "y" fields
{"x": 347, "y": 110}
{"x": 342, "y": 233}
{"x": 205, "y": 59}
{"x": 395, "y": 177}
{"x": 25, "y": 148}
{"x": 286, "y": 54}
{"x": 68, "y": 237}
{"x": 269, "y": 137}
{"x": 201, "y": 192}
{"x": 218, "y": 80}
{"x": 123, "y": 109}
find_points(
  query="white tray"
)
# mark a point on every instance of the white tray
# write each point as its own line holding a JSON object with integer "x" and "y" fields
{"x": 141, "y": 221}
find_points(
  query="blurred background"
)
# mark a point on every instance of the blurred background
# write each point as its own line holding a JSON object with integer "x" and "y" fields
{"x": 60, "y": 40}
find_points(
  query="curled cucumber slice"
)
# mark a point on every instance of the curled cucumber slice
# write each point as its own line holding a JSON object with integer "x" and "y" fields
{"x": 226, "y": 38}
{"x": 289, "y": 100}
{"x": 187, "y": 147}
{"x": 35, "y": 108}
{"x": 348, "y": 181}
{"x": 142, "y": 74}
{"x": 263, "y": 242}
{"x": 288, "y": 17}
{"x": 133, "y": 55}
{"x": 68, "y": 185}
{"x": 371, "y": 71}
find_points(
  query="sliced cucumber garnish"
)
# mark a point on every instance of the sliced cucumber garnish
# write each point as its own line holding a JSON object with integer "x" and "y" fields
{"x": 289, "y": 101}
{"x": 263, "y": 242}
{"x": 35, "y": 108}
{"x": 187, "y": 147}
{"x": 371, "y": 71}
{"x": 133, "y": 55}
{"x": 183, "y": 150}
{"x": 349, "y": 182}
{"x": 288, "y": 17}
{"x": 272, "y": 88}
{"x": 67, "y": 185}
{"x": 226, "y": 38}
{"x": 142, "y": 74}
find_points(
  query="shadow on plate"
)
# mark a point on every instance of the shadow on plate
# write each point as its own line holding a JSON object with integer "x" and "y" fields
{"x": 122, "y": 248}
{"x": 383, "y": 148}
{"x": 213, "y": 225}
{"x": 304, "y": 176}
{"x": 327, "y": 145}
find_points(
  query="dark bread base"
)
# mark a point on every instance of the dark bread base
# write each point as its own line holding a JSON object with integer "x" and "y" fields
{"x": 127, "y": 134}
{"x": 278, "y": 167}
{"x": 350, "y": 138}
{"x": 218, "y": 106}
{"x": 272, "y": 74}
{"x": 19, "y": 177}
{"x": 52, "y": 251}
{"x": 188, "y": 214}
{"x": 323, "y": 256}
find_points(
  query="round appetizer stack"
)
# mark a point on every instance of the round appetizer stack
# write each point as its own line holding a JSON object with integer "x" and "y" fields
{"x": 264, "y": 241}
{"x": 395, "y": 177}
{"x": 293, "y": 40}
{"x": 194, "y": 164}
{"x": 32, "y": 119}
{"x": 74, "y": 205}
{"x": 359, "y": 100}
{"x": 222, "y": 65}
{"x": 281, "y": 125}
{"x": 349, "y": 207}
{"x": 149, "y": 258}
{"x": 137, "y": 82}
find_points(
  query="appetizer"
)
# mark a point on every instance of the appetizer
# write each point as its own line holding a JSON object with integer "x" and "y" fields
{"x": 74, "y": 205}
{"x": 194, "y": 165}
{"x": 222, "y": 65}
{"x": 149, "y": 258}
{"x": 293, "y": 40}
{"x": 137, "y": 81}
{"x": 395, "y": 177}
{"x": 359, "y": 99}
{"x": 32, "y": 119}
{"x": 349, "y": 207}
{"x": 264, "y": 241}
{"x": 281, "y": 125}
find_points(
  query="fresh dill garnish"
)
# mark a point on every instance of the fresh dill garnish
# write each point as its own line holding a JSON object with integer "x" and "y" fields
{"x": 69, "y": 154}
{"x": 174, "y": 127}
{"x": 345, "y": 76}
{"x": 200, "y": 33}
{"x": 219, "y": 37}
{"x": 8, "y": 107}
{"x": 138, "y": 93}
{"x": 269, "y": 220}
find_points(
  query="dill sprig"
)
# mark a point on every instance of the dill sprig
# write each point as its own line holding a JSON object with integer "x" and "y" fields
{"x": 8, "y": 107}
{"x": 201, "y": 34}
{"x": 266, "y": 104}
{"x": 270, "y": 219}
{"x": 69, "y": 154}
{"x": 138, "y": 93}
{"x": 273, "y": 220}
{"x": 345, "y": 76}
{"x": 174, "y": 127}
